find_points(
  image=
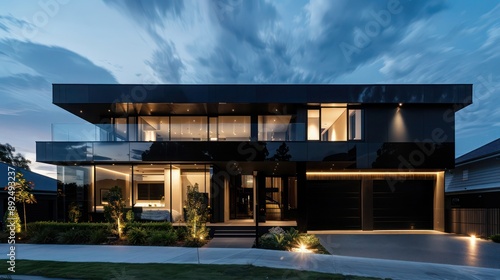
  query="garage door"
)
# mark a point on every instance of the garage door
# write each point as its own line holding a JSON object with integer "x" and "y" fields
{"x": 404, "y": 205}
{"x": 334, "y": 205}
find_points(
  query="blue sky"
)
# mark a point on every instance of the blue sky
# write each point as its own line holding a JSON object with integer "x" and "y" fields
{"x": 237, "y": 41}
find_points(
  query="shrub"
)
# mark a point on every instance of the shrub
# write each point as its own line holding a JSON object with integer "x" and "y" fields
{"x": 73, "y": 236}
{"x": 278, "y": 239}
{"x": 273, "y": 241}
{"x": 48, "y": 231}
{"x": 99, "y": 236}
{"x": 44, "y": 236}
{"x": 162, "y": 238}
{"x": 309, "y": 240}
{"x": 182, "y": 233}
{"x": 74, "y": 212}
{"x": 495, "y": 238}
{"x": 137, "y": 236}
{"x": 149, "y": 226}
{"x": 129, "y": 216}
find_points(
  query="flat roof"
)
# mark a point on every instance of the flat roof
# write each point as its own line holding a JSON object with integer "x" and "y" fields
{"x": 87, "y": 100}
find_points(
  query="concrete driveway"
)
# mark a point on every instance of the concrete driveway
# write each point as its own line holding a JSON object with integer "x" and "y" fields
{"x": 418, "y": 246}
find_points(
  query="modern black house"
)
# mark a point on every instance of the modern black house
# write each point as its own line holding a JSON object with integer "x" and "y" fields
{"x": 473, "y": 192}
{"x": 359, "y": 157}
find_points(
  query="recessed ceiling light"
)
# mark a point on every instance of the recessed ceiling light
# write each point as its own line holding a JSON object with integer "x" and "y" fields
{"x": 188, "y": 110}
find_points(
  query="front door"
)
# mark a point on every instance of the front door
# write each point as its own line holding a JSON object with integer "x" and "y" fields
{"x": 241, "y": 198}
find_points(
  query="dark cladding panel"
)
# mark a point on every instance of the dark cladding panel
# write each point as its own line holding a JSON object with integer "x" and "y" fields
{"x": 232, "y": 94}
{"x": 199, "y": 93}
{"x": 72, "y": 94}
{"x": 406, "y": 124}
{"x": 412, "y": 156}
{"x": 329, "y": 151}
{"x": 182, "y": 94}
{"x": 376, "y": 125}
{"x": 439, "y": 125}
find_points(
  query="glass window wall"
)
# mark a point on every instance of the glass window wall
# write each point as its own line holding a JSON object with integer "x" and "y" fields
{"x": 234, "y": 128}
{"x": 154, "y": 129}
{"x": 279, "y": 128}
{"x": 192, "y": 128}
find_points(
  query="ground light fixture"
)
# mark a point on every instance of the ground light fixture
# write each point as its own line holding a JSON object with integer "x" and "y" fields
{"x": 301, "y": 249}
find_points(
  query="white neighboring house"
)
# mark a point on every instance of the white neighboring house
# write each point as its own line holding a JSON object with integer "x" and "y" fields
{"x": 473, "y": 192}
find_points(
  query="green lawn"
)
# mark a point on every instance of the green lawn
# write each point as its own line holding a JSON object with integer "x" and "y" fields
{"x": 161, "y": 271}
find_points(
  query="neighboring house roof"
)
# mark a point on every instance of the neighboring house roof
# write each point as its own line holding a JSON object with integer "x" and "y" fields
{"x": 490, "y": 149}
{"x": 477, "y": 170}
{"x": 42, "y": 183}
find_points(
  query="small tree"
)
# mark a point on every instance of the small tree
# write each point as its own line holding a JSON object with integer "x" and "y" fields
{"x": 113, "y": 211}
{"x": 23, "y": 193}
{"x": 12, "y": 218}
{"x": 74, "y": 212}
{"x": 197, "y": 215}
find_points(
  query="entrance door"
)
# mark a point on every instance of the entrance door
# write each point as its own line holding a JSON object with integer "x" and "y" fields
{"x": 241, "y": 199}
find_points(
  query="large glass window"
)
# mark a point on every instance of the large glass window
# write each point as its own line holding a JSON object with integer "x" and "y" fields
{"x": 109, "y": 176}
{"x": 355, "y": 124}
{"x": 234, "y": 128}
{"x": 279, "y": 128}
{"x": 120, "y": 125}
{"x": 153, "y": 129}
{"x": 312, "y": 124}
{"x": 334, "y": 124}
{"x": 192, "y": 128}
{"x": 164, "y": 187}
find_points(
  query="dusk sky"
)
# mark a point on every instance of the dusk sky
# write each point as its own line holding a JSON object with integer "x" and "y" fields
{"x": 237, "y": 41}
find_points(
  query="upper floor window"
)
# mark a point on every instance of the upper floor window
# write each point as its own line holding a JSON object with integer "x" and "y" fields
{"x": 280, "y": 128}
{"x": 234, "y": 128}
{"x": 334, "y": 124}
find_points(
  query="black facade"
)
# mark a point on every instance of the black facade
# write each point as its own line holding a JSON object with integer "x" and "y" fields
{"x": 328, "y": 156}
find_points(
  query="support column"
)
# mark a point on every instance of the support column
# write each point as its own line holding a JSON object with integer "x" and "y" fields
{"x": 366, "y": 204}
{"x": 261, "y": 196}
{"x": 217, "y": 194}
{"x": 301, "y": 196}
{"x": 439, "y": 202}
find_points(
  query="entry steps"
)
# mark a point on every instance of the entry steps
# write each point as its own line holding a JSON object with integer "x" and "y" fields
{"x": 234, "y": 233}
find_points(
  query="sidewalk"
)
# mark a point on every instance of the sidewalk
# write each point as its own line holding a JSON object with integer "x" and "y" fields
{"x": 258, "y": 257}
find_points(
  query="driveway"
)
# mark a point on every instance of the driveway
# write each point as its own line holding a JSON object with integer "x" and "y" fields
{"x": 419, "y": 246}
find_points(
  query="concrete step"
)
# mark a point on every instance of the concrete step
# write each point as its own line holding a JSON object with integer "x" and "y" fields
{"x": 234, "y": 233}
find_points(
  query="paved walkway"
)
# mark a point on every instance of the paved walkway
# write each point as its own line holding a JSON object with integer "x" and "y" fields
{"x": 322, "y": 263}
